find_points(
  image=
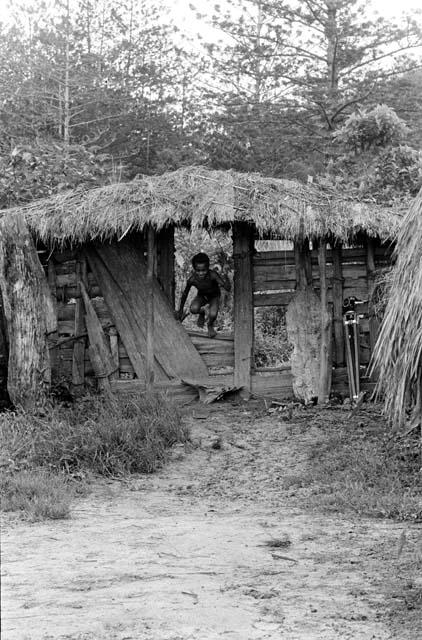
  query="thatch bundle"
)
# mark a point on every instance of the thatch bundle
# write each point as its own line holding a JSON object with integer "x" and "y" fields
{"x": 197, "y": 197}
{"x": 398, "y": 352}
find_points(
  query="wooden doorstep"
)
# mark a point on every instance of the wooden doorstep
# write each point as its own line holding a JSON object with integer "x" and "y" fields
{"x": 276, "y": 384}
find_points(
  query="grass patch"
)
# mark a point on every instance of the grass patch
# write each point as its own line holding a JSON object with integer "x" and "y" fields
{"x": 109, "y": 436}
{"x": 356, "y": 466}
{"x": 37, "y": 493}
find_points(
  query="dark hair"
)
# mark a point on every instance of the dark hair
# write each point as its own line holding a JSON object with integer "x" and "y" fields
{"x": 200, "y": 258}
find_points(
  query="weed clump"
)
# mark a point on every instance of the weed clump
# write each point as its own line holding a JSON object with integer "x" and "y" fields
{"x": 359, "y": 467}
{"x": 37, "y": 493}
{"x": 100, "y": 435}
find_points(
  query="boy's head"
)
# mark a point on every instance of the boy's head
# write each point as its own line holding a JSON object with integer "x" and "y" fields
{"x": 201, "y": 264}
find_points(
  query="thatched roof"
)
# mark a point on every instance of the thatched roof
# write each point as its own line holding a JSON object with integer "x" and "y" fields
{"x": 198, "y": 197}
{"x": 398, "y": 352}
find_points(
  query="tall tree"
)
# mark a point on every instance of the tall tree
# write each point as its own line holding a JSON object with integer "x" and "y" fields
{"x": 324, "y": 57}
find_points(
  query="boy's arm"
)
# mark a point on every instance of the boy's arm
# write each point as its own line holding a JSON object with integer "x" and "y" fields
{"x": 222, "y": 279}
{"x": 183, "y": 298}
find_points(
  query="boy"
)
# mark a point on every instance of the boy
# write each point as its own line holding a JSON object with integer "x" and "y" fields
{"x": 207, "y": 282}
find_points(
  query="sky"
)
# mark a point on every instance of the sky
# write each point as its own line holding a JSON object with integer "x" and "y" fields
{"x": 185, "y": 18}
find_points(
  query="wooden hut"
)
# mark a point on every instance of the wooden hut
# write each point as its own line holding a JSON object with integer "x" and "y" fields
{"x": 108, "y": 257}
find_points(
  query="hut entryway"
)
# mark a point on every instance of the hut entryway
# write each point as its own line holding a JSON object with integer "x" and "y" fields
{"x": 121, "y": 274}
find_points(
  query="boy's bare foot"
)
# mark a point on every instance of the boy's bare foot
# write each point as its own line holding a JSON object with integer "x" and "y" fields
{"x": 211, "y": 332}
{"x": 201, "y": 320}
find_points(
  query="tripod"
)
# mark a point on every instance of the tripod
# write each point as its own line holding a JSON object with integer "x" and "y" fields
{"x": 351, "y": 334}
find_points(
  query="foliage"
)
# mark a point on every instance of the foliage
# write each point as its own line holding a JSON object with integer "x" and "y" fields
{"x": 374, "y": 163}
{"x": 291, "y": 72}
{"x": 271, "y": 347}
{"x": 108, "y": 436}
{"x": 38, "y": 170}
{"x": 102, "y": 84}
{"x": 36, "y": 493}
{"x": 378, "y": 127}
{"x": 403, "y": 94}
{"x": 358, "y": 468}
{"x": 398, "y": 171}
{"x": 352, "y": 464}
{"x": 115, "y": 86}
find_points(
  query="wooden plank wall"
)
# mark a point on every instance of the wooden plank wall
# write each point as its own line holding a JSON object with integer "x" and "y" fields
{"x": 275, "y": 280}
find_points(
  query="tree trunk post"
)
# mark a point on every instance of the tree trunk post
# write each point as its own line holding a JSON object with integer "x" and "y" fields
{"x": 29, "y": 313}
{"x": 243, "y": 246}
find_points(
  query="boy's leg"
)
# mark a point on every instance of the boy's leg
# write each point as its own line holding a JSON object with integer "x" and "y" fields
{"x": 196, "y": 308}
{"x": 212, "y": 316}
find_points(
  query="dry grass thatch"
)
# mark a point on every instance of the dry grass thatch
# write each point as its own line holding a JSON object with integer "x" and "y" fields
{"x": 198, "y": 197}
{"x": 398, "y": 352}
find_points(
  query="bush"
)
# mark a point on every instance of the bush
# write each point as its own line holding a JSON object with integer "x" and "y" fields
{"x": 37, "y": 493}
{"x": 272, "y": 347}
{"x": 109, "y": 436}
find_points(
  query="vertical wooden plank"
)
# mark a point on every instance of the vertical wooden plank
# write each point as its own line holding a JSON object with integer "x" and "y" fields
{"x": 53, "y": 337}
{"x": 150, "y": 308}
{"x": 325, "y": 365}
{"x": 337, "y": 285}
{"x": 243, "y": 246}
{"x": 370, "y": 269}
{"x": 78, "y": 358}
{"x": 114, "y": 348}
{"x": 166, "y": 276}
{"x": 99, "y": 350}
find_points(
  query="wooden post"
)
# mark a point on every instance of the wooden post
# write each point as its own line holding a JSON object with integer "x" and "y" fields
{"x": 53, "y": 337}
{"x": 370, "y": 269}
{"x": 4, "y": 355}
{"x": 243, "y": 246}
{"x": 114, "y": 348}
{"x": 337, "y": 288}
{"x": 325, "y": 364}
{"x": 149, "y": 378}
{"x": 78, "y": 357}
{"x": 29, "y": 313}
{"x": 166, "y": 248}
{"x": 303, "y": 264}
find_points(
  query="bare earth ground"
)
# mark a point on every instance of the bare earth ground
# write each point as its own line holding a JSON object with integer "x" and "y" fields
{"x": 182, "y": 554}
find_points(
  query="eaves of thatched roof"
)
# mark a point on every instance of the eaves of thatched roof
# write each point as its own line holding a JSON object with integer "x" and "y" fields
{"x": 196, "y": 197}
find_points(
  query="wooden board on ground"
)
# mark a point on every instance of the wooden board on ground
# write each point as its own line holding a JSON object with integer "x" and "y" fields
{"x": 173, "y": 348}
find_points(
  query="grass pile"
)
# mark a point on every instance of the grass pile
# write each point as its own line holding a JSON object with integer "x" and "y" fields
{"x": 397, "y": 356}
{"x": 200, "y": 197}
{"x": 106, "y": 436}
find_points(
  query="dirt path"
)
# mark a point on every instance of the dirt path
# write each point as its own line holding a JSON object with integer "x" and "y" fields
{"x": 182, "y": 554}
